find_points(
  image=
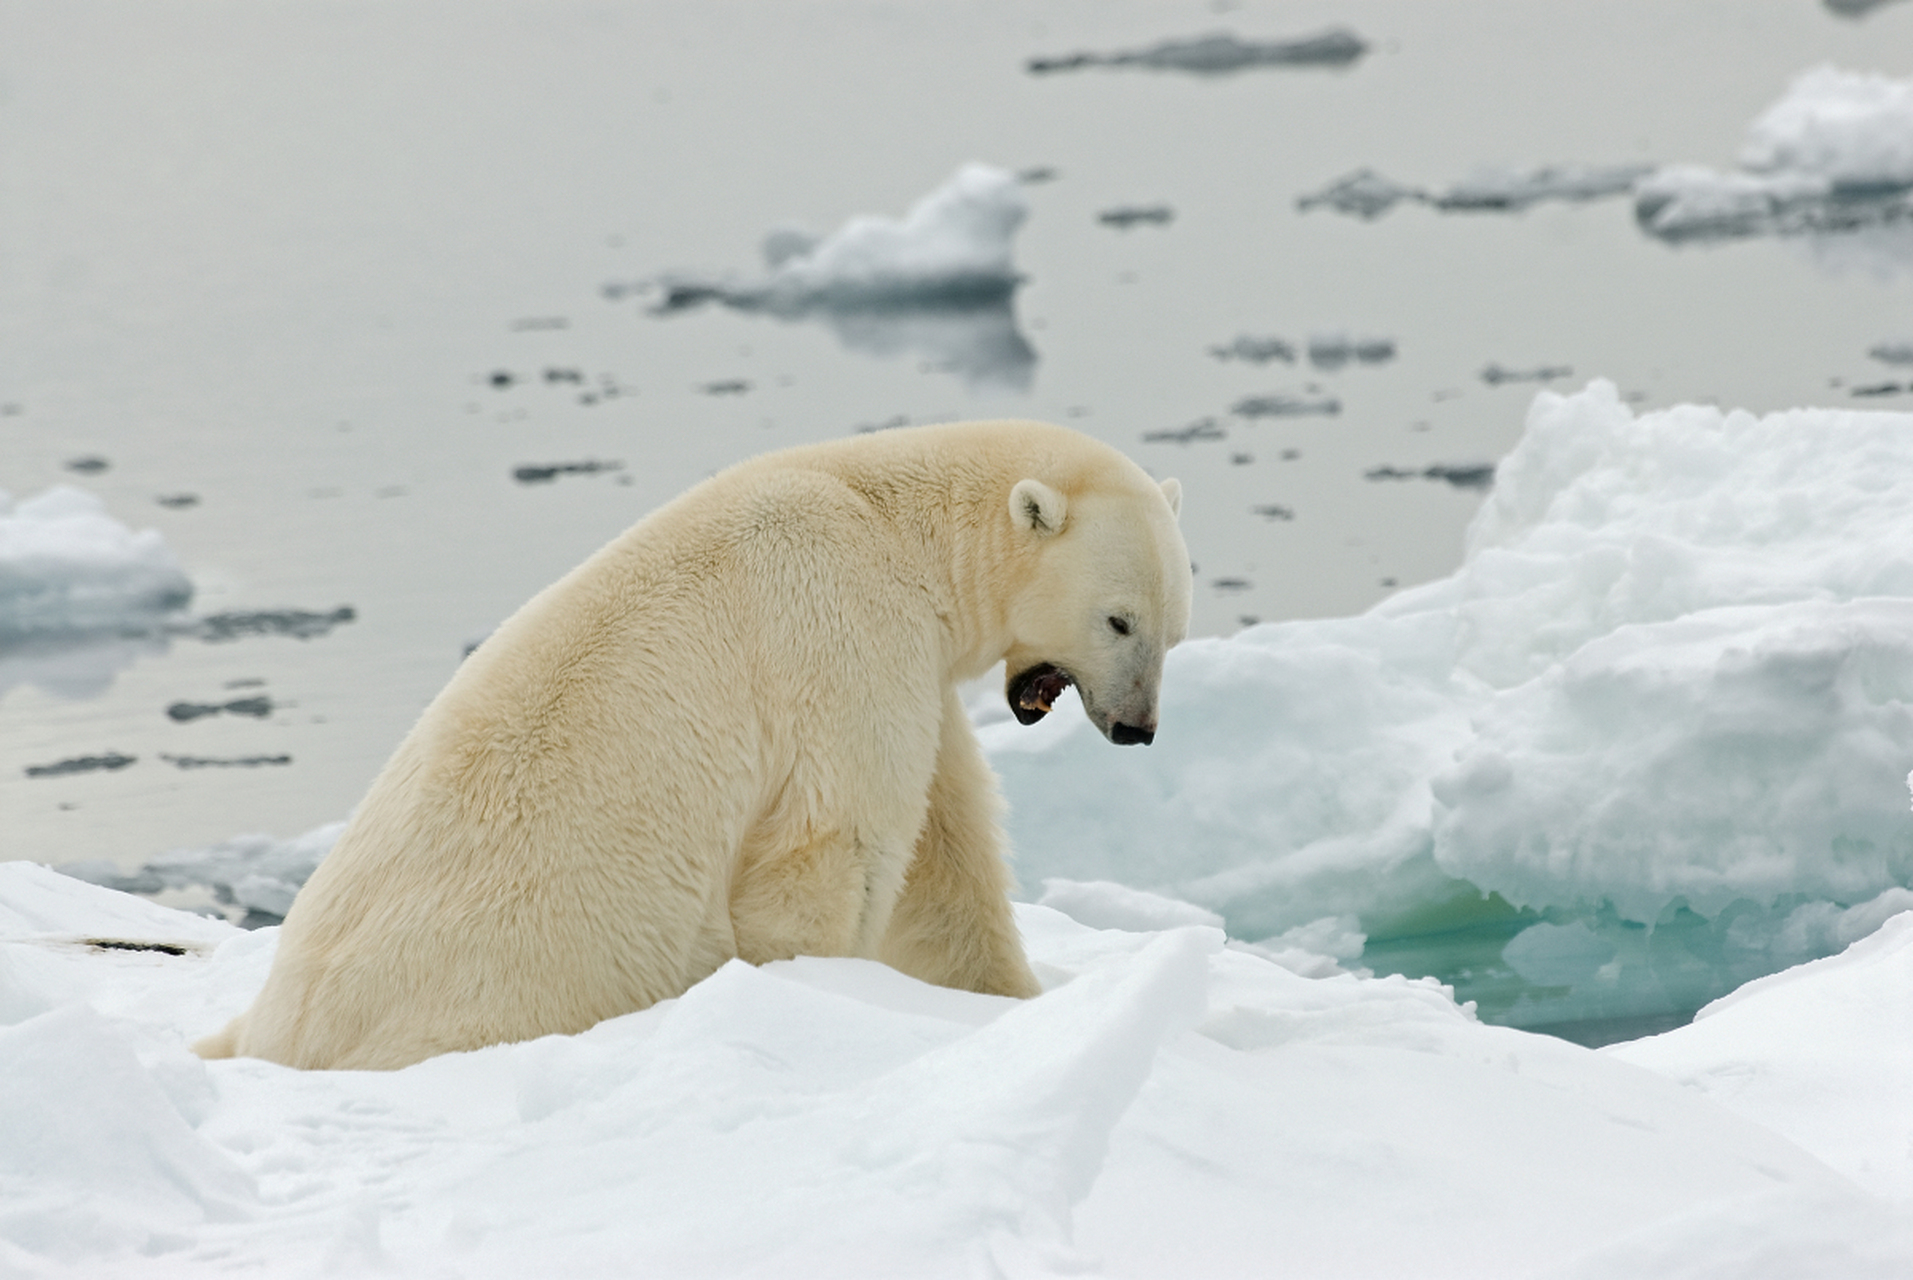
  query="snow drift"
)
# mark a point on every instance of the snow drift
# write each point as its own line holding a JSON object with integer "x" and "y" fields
{"x": 1170, "y": 1106}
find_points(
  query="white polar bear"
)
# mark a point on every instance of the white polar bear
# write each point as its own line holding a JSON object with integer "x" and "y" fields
{"x": 733, "y": 732}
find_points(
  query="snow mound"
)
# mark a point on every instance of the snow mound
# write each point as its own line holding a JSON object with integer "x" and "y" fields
{"x": 1822, "y": 1054}
{"x": 67, "y": 569}
{"x": 1647, "y": 743}
{"x": 1168, "y": 1107}
{"x": 938, "y": 281}
{"x": 1835, "y": 154}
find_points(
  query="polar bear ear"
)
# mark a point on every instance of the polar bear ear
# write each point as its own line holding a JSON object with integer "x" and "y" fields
{"x": 1172, "y": 490}
{"x": 1037, "y": 507}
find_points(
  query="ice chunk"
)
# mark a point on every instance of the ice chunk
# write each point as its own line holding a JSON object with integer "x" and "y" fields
{"x": 69, "y": 571}
{"x": 1219, "y": 54}
{"x": 1667, "y": 699}
{"x": 939, "y": 281}
{"x": 257, "y": 874}
{"x": 1367, "y": 194}
{"x": 1833, "y": 155}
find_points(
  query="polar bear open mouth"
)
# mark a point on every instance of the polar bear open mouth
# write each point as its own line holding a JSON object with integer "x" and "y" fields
{"x": 1034, "y": 691}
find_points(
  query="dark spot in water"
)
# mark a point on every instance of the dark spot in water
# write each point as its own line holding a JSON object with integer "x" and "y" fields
{"x": 541, "y": 473}
{"x": 1479, "y": 475}
{"x": 1494, "y": 375}
{"x": 1218, "y": 53}
{"x": 297, "y": 623}
{"x": 91, "y": 465}
{"x": 80, "y": 764}
{"x": 1201, "y": 429}
{"x": 565, "y": 375}
{"x": 226, "y": 762}
{"x": 1285, "y": 406}
{"x": 178, "y": 501}
{"x": 258, "y": 707}
{"x": 502, "y": 379}
{"x": 726, "y": 387}
{"x": 1255, "y": 350}
{"x": 1271, "y": 511}
{"x": 1879, "y": 389}
{"x": 1231, "y": 584}
{"x": 1123, "y": 217}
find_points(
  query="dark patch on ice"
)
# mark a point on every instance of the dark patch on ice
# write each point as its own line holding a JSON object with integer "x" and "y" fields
{"x": 726, "y": 387}
{"x": 1879, "y": 389}
{"x": 1479, "y": 475}
{"x": 1330, "y": 352}
{"x": 91, "y": 465}
{"x": 259, "y": 706}
{"x": 229, "y": 762}
{"x": 177, "y": 501}
{"x": 1246, "y": 346}
{"x": 1285, "y": 406}
{"x": 1201, "y": 429}
{"x": 1218, "y": 53}
{"x": 1123, "y": 217}
{"x": 1274, "y": 511}
{"x": 300, "y": 624}
{"x": 1494, "y": 374}
{"x": 124, "y": 944}
{"x": 81, "y": 764}
{"x": 1892, "y": 352}
{"x": 541, "y": 473}
{"x": 1367, "y": 194}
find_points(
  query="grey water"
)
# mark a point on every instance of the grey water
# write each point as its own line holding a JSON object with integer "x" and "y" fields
{"x": 333, "y": 297}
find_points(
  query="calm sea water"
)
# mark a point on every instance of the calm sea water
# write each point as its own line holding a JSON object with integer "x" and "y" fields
{"x": 312, "y": 263}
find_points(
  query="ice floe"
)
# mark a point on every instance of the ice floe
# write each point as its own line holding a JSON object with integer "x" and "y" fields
{"x": 1833, "y": 155}
{"x": 1367, "y": 194}
{"x": 1667, "y": 699}
{"x": 939, "y": 281}
{"x": 69, "y": 570}
{"x": 1218, "y": 53}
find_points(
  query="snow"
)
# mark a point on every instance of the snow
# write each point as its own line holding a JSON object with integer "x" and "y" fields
{"x": 1835, "y": 153}
{"x": 1665, "y": 705}
{"x": 1170, "y": 1106}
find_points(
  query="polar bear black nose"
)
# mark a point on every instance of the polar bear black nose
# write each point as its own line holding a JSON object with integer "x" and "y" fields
{"x": 1128, "y": 735}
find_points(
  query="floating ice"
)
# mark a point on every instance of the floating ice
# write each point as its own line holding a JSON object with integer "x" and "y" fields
{"x": 1200, "y": 429}
{"x": 1219, "y": 54}
{"x": 1495, "y": 374}
{"x": 1668, "y": 698}
{"x": 1255, "y": 350}
{"x": 1479, "y": 475}
{"x": 109, "y": 762}
{"x": 1367, "y": 194}
{"x": 69, "y": 571}
{"x": 1126, "y": 216}
{"x": 940, "y": 281}
{"x": 1834, "y": 155}
{"x": 256, "y": 874}
{"x": 1331, "y": 351}
{"x": 1285, "y": 405}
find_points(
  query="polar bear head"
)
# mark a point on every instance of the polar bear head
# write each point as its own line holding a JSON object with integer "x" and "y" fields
{"x": 1107, "y": 597}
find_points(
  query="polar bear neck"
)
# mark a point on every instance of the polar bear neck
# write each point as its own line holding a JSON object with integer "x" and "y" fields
{"x": 944, "y": 490}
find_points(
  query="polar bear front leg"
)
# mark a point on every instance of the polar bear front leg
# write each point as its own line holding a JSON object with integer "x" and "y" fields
{"x": 953, "y": 925}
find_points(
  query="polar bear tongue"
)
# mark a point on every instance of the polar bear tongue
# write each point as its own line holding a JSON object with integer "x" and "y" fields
{"x": 1035, "y": 691}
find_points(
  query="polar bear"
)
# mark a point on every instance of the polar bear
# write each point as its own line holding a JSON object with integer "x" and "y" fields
{"x": 734, "y": 732}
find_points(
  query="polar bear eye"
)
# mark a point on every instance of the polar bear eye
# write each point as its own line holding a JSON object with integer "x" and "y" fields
{"x": 1119, "y": 625}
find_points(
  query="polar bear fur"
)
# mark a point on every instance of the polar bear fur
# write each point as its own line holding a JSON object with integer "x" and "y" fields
{"x": 734, "y": 732}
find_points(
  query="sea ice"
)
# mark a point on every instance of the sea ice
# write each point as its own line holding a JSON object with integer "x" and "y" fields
{"x": 1367, "y": 194}
{"x": 1219, "y": 53}
{"x": 1833, "y": 155}
{"x": 939, "y": 281}
{"x": 1667, "y": 697}
{"x": 1170, "y": 1106}
{"x": 69, "y": 571}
